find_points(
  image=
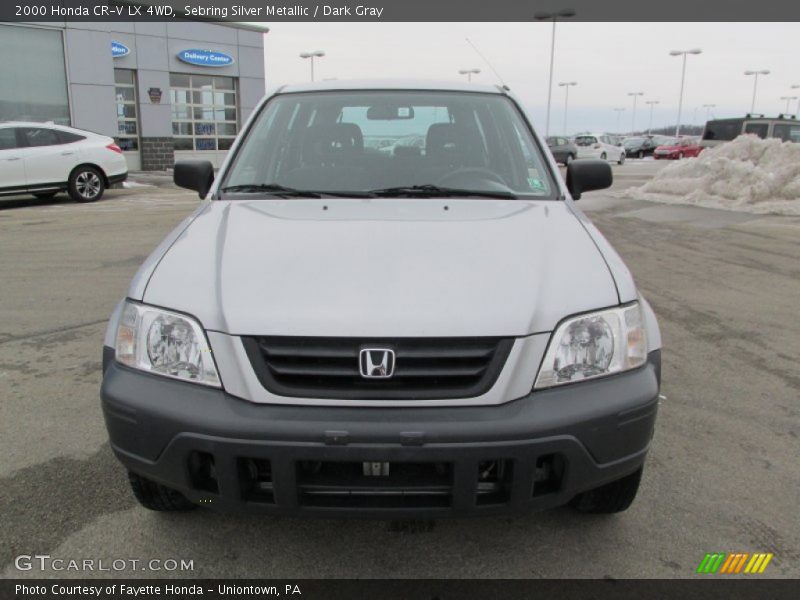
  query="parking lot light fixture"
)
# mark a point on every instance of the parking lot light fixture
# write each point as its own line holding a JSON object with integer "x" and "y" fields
{"x": 652, "y": 103}
{"x": 566, "y": 85}
{"x": 312, "y": 56}
{"x": 788, "y": 99}
{"x": 552, "y": 16}
{"x": 708, "y": 108}
{"x": 633, "y": 114}
{"x": 469, "y": 73}
{"x": 755, "y": 85}
{"x": 797, "y": 87}
{"x": 619, "y": 112}
{"x": 683, "y": 53}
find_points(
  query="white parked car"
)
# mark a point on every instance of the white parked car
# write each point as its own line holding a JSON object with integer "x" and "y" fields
{"x": 599, "y": 145}
{"x": 43, "y": 159}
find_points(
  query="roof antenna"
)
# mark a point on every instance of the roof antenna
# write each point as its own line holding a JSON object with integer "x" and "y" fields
{"x": 474, "y": 47}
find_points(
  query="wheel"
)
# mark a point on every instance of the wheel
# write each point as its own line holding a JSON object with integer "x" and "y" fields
{"x": 604, "y": 156}
{"x": 640, "y": 154}
{"x": 621, "y": 158}
{"x": 569, "y": 159}
{"x": 680, "y": 156}
{"x": 610, "y": 498}
{"x": 86, "y": 184}
{"x": 45, "y": 195}
{"x": 154, "y": 496}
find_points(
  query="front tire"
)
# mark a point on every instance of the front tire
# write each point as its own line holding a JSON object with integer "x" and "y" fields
{"x": 604, "y": 156}
{"x": 621, "y": 160}
{"x": 568, "y": 160}
{"x": 154, "y": 496}
{"x": 86, "y": 184}
{"x": 640, "y": 154}
{"x": 613, "y": 497}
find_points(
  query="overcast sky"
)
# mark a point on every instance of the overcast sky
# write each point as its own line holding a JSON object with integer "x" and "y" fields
{"x": 606, "y": 59}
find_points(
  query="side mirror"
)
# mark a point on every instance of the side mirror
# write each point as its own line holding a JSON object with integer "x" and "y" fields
{"x": 197, "y": 175}
{"x": 587, "y": 174}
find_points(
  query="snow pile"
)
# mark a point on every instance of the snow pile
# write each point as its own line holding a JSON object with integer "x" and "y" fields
{"x": 747, "y": 175}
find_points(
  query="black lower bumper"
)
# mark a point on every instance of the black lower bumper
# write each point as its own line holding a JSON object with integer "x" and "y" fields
{"x": 529, "y": 454}
{"x": 115, "y": 179}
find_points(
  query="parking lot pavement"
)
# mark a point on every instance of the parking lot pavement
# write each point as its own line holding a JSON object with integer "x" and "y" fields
{"x": 723, "y": 473}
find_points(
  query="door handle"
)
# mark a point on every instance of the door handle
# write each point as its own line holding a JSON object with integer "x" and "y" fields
{"x": 13, "y": 158}
{"x": 67, "y": 152}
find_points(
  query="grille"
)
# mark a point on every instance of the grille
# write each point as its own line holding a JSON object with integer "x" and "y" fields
{"x": 425, "y": 368}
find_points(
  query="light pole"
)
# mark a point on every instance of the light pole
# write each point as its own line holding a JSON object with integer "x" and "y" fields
{"x": 755, "y": 85}
{"x": 312, "y": 55}
{"x": 788, "y": 98}
{"x": 708, "y": 108}
{"x": 619, "y": 112}
{"x": 554, "y": 16}
{"x": 469, "y": 73}
{"x": 797, "y": 87}
{"x": 683, "y": 53}
{"x": 652, "y": 103}
{"x": 633, "y": 114}
{"x": 566, "y": 85}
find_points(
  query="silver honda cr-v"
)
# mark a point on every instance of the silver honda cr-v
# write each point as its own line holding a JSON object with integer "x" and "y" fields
{"x": 387, "y": 304}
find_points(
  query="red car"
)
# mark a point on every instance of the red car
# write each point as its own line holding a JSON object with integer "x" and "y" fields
{"x": 678, "y": 148}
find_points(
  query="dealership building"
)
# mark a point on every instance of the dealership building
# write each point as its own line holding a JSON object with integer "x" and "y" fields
{"x": 164, "y": 91}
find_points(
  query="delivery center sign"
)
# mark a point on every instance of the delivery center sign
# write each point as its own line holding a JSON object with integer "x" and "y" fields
{"x": 205, "y": 58}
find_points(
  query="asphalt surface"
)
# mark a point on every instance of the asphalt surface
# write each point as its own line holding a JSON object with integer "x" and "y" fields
{"x": 723, "y": 473}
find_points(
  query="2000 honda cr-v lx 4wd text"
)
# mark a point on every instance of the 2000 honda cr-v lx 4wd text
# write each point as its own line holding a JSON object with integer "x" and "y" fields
{"x": 337, "y": 329}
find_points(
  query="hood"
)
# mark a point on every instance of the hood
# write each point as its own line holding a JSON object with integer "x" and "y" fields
{"x": 383, "y": 268}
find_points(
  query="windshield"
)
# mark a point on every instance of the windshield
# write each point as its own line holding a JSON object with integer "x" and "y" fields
{"x": 402, "y": 142}
{"x": 585, "y": 140}
{"x": 634, "y": 141}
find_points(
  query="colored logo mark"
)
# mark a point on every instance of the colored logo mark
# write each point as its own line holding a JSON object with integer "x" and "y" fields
{"x": 735, "y": 562}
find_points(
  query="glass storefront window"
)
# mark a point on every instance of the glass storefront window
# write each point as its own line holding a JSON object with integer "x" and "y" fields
{"x": 204, "y": 113}
{"x": 33, "y": 86}
{"x": 127, "y": 110}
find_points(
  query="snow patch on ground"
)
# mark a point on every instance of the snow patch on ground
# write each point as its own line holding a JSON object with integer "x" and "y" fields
{"x": 746, "y": 175}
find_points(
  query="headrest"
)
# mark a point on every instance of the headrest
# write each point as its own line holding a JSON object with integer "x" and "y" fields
{"x": 447, "y": 142}
{"x": 326, "y": 143}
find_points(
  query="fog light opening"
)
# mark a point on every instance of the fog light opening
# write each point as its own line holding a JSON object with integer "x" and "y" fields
{"x": 203, "y": 472}
{"x": 549, "y": 474}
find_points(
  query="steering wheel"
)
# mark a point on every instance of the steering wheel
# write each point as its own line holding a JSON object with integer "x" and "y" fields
{"x": 466, "y": 178}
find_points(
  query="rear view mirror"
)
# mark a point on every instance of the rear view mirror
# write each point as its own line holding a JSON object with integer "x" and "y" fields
{"x": 197, "y": 175}
{"x": 587, "y": 174}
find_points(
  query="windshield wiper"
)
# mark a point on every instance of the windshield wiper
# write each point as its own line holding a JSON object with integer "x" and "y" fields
{"x": 435, "y": 191}
{"x": 286, "y": 192}
{"x": 271, "y": 188}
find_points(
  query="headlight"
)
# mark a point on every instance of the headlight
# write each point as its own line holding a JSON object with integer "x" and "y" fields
{"x": 594, "y": 345}
{"x": 165, "y": 343}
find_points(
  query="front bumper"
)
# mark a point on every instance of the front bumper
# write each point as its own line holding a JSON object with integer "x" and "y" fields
{"x": 544, "y": 448}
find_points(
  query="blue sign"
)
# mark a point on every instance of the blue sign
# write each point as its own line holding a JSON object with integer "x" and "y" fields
{"x": 119, "y": 49}
{"x": 205, "y": 58}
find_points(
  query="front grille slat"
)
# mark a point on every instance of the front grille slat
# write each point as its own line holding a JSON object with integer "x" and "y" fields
{"x": 425, "y": 368}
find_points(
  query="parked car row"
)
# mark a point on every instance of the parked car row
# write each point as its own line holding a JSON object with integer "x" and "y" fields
{"x": 613, "y": 148}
